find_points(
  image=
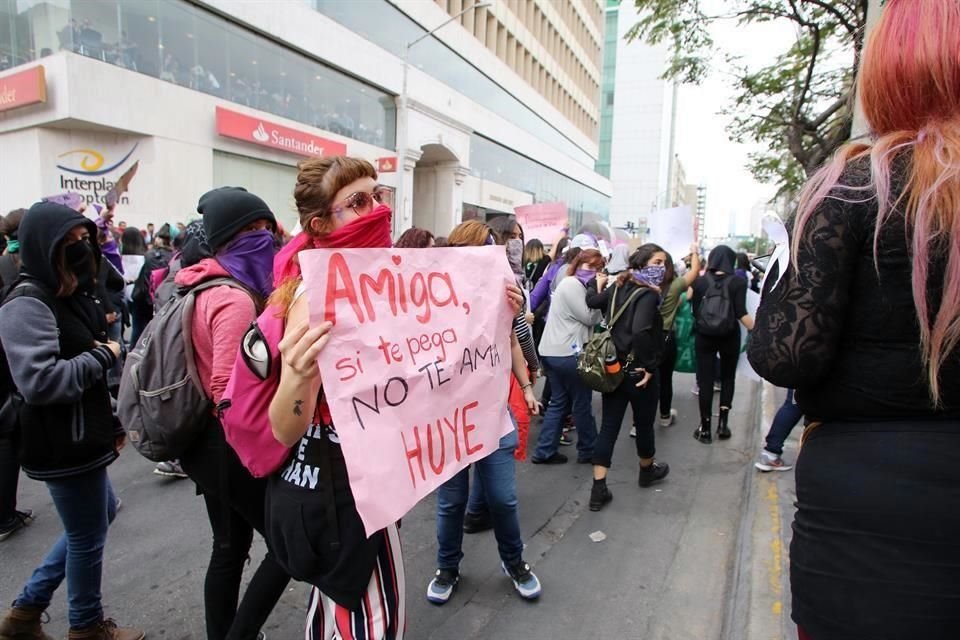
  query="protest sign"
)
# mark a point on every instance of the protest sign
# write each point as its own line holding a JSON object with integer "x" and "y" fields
{"x": 744, "y": 368}
{"x": 131, "y": 269}
{"x": 416, "y": 371}
{"x": 545, "y": 221}
{"x": 672, "y": 229}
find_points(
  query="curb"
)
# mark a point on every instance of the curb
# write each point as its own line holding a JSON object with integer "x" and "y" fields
{"x": 760, "y": 595}
{"x": 736, "y": 617}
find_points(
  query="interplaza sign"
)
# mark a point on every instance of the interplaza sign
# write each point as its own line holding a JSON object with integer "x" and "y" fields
{"x": 23, "y": 88}
{"x": 240, "y": 126}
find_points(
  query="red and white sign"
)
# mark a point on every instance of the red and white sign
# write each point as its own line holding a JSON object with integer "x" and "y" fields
{"x": 270, "y": 134}
{"x": 387, "y": 165}
{"x": 545, "y": 221}
{"x": 23, "y": 88}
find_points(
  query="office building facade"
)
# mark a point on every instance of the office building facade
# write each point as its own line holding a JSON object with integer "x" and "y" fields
{"x": 500, "y": 108}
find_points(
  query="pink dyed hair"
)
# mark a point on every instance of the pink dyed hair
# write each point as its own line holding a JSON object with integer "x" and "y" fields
{"x": 909, "y": 85}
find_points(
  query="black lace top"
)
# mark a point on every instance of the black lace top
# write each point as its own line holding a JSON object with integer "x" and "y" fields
{"x": 843, "y": 331}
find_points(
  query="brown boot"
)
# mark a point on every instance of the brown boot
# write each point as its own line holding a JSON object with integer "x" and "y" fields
{"x": 106, "y": 629}
{"x": 22, "y": 623}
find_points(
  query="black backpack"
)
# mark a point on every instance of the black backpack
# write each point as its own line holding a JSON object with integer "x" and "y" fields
{"x": 715, "y": 316}
{"x": 154, "y": 259}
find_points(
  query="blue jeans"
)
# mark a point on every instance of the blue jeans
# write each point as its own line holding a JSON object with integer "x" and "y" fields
{"x": 788, "y": 416}
{"x": 567, "y": 391}
{"x": 497, "y": 474}
{"x": 86, "y": 505}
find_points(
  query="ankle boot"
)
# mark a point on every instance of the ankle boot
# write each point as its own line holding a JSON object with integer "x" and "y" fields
{"x": 106, "y": 629}
{"x": 22, "y": 623}
{"x": 703, "y": 434}
{"x": 723, "y": 431}
{"x": 599, "y": 495}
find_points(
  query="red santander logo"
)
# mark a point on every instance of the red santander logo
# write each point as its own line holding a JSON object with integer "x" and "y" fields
{"x": 23, "y": 88}
{"x": 239, "y": 126}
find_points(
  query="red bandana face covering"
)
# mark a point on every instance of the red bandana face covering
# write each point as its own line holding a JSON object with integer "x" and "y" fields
{"x": 371, "y": 231}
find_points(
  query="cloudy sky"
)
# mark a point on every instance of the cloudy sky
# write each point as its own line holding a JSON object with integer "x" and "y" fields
{"x": 708, "y": 156}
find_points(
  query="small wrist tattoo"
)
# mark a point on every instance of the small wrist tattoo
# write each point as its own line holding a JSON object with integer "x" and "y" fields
{"x": 298, "y": 407}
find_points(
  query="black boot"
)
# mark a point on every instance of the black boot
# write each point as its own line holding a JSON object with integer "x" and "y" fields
{"x": 599, "y": 495}
{"x": 703, "y": 433}
{"x": 723, "y": 431}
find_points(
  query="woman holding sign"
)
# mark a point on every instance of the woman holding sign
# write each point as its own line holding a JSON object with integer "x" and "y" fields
{"x": 357, "y": 581}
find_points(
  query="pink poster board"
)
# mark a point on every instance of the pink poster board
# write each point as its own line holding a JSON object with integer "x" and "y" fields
{"x": 417, "y": 368}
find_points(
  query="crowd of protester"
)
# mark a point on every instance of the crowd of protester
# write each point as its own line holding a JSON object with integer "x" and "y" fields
{"x": 872, "y": 286}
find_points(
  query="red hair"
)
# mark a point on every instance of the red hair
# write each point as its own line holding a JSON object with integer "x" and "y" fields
{"x": 909, "y": 85}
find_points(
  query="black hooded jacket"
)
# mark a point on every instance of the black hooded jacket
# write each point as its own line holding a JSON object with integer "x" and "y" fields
{"x": 51, "y": 346}
{"x": 721, "y": 264}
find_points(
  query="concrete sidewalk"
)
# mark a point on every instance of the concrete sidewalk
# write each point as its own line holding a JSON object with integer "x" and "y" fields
{"x": 760, "y": 606}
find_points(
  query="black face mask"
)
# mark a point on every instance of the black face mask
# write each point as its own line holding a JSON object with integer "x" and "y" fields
{"x": 79, "y": 260}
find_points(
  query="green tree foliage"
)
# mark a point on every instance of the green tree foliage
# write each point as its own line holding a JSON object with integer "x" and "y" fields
{"x": 800, "y": 106}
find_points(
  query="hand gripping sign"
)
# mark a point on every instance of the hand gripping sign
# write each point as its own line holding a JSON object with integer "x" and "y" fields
{"x": 416, "y": 371}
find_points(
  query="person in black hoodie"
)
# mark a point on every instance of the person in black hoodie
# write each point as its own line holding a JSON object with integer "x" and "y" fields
{"x": 12, "y": 519}
{"x": 54, "y": 334}
{"x": 719, "y": 282}
{"x": 638, "y": 337}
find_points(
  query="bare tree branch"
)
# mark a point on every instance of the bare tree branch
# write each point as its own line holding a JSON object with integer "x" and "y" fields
{"x": 842, "y": 19}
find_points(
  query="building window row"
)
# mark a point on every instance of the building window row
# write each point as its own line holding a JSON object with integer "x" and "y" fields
{"x": 499, "y": 40}
{"x": 383, "y": 23}
{"x": 182, "y": 44}
{"x": 575, "y": 23}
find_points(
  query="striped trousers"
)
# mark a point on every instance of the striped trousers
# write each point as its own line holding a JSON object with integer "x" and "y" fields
{"x": 382, "y": 611}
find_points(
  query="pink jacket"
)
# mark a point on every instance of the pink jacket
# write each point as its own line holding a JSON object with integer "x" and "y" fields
{"x": 221, "y": 317}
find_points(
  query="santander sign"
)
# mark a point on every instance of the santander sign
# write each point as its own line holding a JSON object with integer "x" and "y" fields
{"x": 22, "y": 88}
{"x": 239, "y": 126}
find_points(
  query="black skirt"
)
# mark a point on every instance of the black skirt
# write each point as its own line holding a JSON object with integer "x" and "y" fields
{"x": 876, "y": 539}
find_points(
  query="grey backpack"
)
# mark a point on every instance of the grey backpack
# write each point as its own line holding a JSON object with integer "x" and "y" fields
{"x": 161, "y": 402}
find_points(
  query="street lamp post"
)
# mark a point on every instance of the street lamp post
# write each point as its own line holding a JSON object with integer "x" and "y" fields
{"x": 403, "y": 114}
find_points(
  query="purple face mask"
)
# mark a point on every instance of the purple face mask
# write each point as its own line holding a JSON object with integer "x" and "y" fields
{"x": 651, "y": 274}
{"x": 585, "y": 275}
{"x": 249, "y": 259}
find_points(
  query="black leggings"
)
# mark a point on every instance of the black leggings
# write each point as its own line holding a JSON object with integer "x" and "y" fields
{"x": 728, "y": 347}
{"x": 666, "y": 374}
{"x": 235, "y": 507}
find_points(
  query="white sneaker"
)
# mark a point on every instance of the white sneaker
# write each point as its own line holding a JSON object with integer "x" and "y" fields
{"x": 670, "y": 419}
{"x": 633, "y": 432}
{"x": 771, "y": 462}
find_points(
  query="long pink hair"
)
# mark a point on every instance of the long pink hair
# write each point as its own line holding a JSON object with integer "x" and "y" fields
{"x": 909, "y": 85}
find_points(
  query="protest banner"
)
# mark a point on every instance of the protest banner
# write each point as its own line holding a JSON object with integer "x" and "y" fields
{"x": 744, "y": 368}
{"x": 545, "y": 221}
{"x": 131, "y": 270}
{"x": 672, "y": 229}
{"x": 416, "y": 372}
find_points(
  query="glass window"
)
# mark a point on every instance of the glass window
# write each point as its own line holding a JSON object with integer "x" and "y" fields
{"x": 180, "y": 43}
{"x": 492, "y": 161}
{"x": 390, "y": 28}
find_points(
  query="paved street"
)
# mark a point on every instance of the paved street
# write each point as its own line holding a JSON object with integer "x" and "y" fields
{"x": 666, "y": 570}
